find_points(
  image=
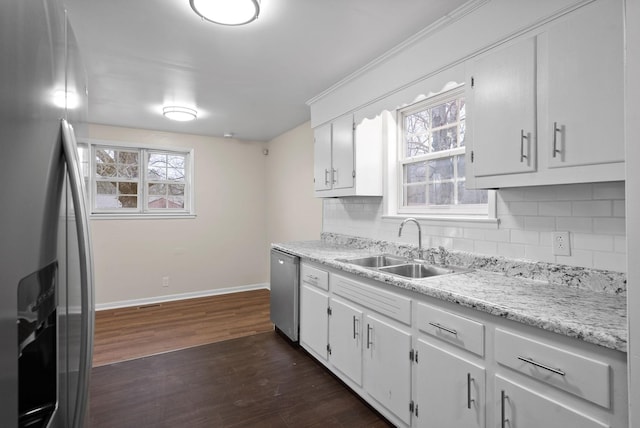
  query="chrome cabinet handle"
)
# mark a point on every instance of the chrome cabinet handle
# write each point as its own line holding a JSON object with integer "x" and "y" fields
{"x": 313, "y": 277}
{"x": 469, "y": 399}
{"x": 369, "y": 343}
{"x": 441, "y": 327}
{"x": 503, "y": 396}
{"x": 355, "y": 333}
{"x": 555, "y": 138}
{"x": 334, "y": 175}
{"x": 326, "y": 177}
{"x": 522, "y": 138}
{"x": 542, "y": 366}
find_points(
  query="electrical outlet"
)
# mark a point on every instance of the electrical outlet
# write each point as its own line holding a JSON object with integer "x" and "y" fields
{"x": 561, "y": 244}
{"x": 165, "y": 281}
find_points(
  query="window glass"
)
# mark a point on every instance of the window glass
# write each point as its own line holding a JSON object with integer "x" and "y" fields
{"x": 138, "y": 180}
{"x": 432, "y": 158}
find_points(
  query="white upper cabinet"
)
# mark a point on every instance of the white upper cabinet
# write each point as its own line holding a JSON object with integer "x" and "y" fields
{"x": 581, "y": 60}
{"x": 348, "y": 157}
{"x": 503, "y": 97}
{"x": 547, "y": 108}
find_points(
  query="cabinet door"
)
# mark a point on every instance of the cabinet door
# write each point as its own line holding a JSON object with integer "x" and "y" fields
{"x": 584, "y": 70}
{"x": 502, "y": 110}
{"x": 322, "y": 157}
{"x": 387, "y": 367}
{"x": 519, "y": 407}
{"x": 314, "y": 320}
{"x": 342, "y": 157}
{"x": 450, "y": 390}
{"x": 345, "y": 340}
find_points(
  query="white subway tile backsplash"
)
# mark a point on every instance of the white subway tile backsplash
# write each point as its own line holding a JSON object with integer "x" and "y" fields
{"x": 619, "y": 208}
{"x": 613, "y": 225}
{"x": 592, "y": 208}
{"x": 592, "y": 242}
{"x": 574, "y": 224}
{"x": 577, "y": 258}
{"x": 573, "y": 192}
{"x": 542, "y": 224}
{"x": 512, "y": 251}
{"x": 462, "y": 244}
{"x": 540, "y": 253}
{"x": 610, "y": 261}
{"x": 475, "y": 234}
{"x": 555, "y": 208}
{"x": 609, "y": 190}
{"x": 525, "y": 237}
{"x": 594, "y": 214}
{"x": 523, "y": 208}
{"x": 498, "y": 235}
{"x": 511, "y": 221}
{"x": 484, "y": 247}
{"x": 515, "y": 194}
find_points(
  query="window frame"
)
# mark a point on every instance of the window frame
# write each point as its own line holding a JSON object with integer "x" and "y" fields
{"x": 143, "y": 210}
{"x": 464, "y": 211}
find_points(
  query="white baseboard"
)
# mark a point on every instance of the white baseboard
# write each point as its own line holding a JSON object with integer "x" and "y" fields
{"x": 182, "y": 296}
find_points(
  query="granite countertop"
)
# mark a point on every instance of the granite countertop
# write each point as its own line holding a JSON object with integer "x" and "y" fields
{"x": 593, "y": 316}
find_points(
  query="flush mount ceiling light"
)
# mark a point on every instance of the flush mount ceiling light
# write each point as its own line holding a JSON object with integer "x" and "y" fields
{"x": 227, "y": 12}
{"x": 181, "y": 114}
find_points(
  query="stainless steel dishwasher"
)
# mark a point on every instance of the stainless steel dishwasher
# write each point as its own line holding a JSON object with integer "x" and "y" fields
{"x": 285, "y": 274}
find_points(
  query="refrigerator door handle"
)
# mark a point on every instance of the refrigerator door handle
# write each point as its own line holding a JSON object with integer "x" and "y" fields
{"x": 70, "y": 150}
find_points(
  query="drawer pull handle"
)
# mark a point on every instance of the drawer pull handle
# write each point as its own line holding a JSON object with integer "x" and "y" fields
{"x": 469, "y": 399}
{"x": 315, "y": 278}
{"x": 369, "y": 343}
{"x": 542, "y": 366}
{"x": 355, "y": 332}
{"x": 441, "y": 327}
{"x": 503, "y": 420}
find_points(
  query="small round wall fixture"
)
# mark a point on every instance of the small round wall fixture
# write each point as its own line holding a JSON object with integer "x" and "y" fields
{"x": 181, "y": 114}
{"x": 227, "y": 12}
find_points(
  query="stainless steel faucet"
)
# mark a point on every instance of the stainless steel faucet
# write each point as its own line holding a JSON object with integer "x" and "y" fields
{"x": 419, "y": 234}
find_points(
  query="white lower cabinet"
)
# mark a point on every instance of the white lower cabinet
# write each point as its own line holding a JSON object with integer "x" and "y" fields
{"x": 520, "y": 407}
{"x": 425, "y": 363}
{"x": 387, "y": 366}
{"x": 314, "y": 320}
{"x": 345, "y": 339}
{"x": 450, "y": 391}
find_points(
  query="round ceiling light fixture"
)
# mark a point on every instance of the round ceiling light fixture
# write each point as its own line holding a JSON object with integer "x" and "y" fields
{"x": 227, "y": 12}
{"x": 181, "y": 114}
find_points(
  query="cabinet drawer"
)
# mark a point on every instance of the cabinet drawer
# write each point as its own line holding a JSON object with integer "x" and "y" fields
{"x": 389, "y": 304}
{"x": 459, "y": 331}
{"x": 578, "y": 375}
{"x": 313, "y": 276}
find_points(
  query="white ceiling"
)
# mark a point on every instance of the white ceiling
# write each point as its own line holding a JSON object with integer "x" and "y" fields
{"x": 252, "y": 81}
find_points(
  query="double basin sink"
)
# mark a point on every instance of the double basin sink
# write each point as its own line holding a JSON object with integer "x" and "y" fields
{"x": 402, "y": 267}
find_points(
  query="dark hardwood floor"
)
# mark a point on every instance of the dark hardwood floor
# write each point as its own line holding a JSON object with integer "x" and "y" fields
{"x": 127, "y": 333}
{"x": 255, "y": 381}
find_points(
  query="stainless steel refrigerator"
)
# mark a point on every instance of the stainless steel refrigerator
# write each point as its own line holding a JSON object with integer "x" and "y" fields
{"x": 46, "y": 286}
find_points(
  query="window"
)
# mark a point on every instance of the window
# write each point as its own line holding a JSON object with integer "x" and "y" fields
{"x": 431, "y": 159}
{"x": 139, "y": 180}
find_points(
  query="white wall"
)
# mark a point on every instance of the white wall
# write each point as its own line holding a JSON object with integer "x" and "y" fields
{"x": 292, "y": 211}
{"x": 244, "y": 201}
{"x": 592, "y": 213}
{"x": 632, "y": 110}
{"x": 201, "y": 254}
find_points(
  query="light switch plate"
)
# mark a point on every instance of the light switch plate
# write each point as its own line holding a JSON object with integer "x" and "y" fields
{"x": 561, "y": 244}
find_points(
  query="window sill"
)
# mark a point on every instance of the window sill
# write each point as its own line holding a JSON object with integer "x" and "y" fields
{"x": 438, "y": 220}
{"x": 141, "y": 216}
